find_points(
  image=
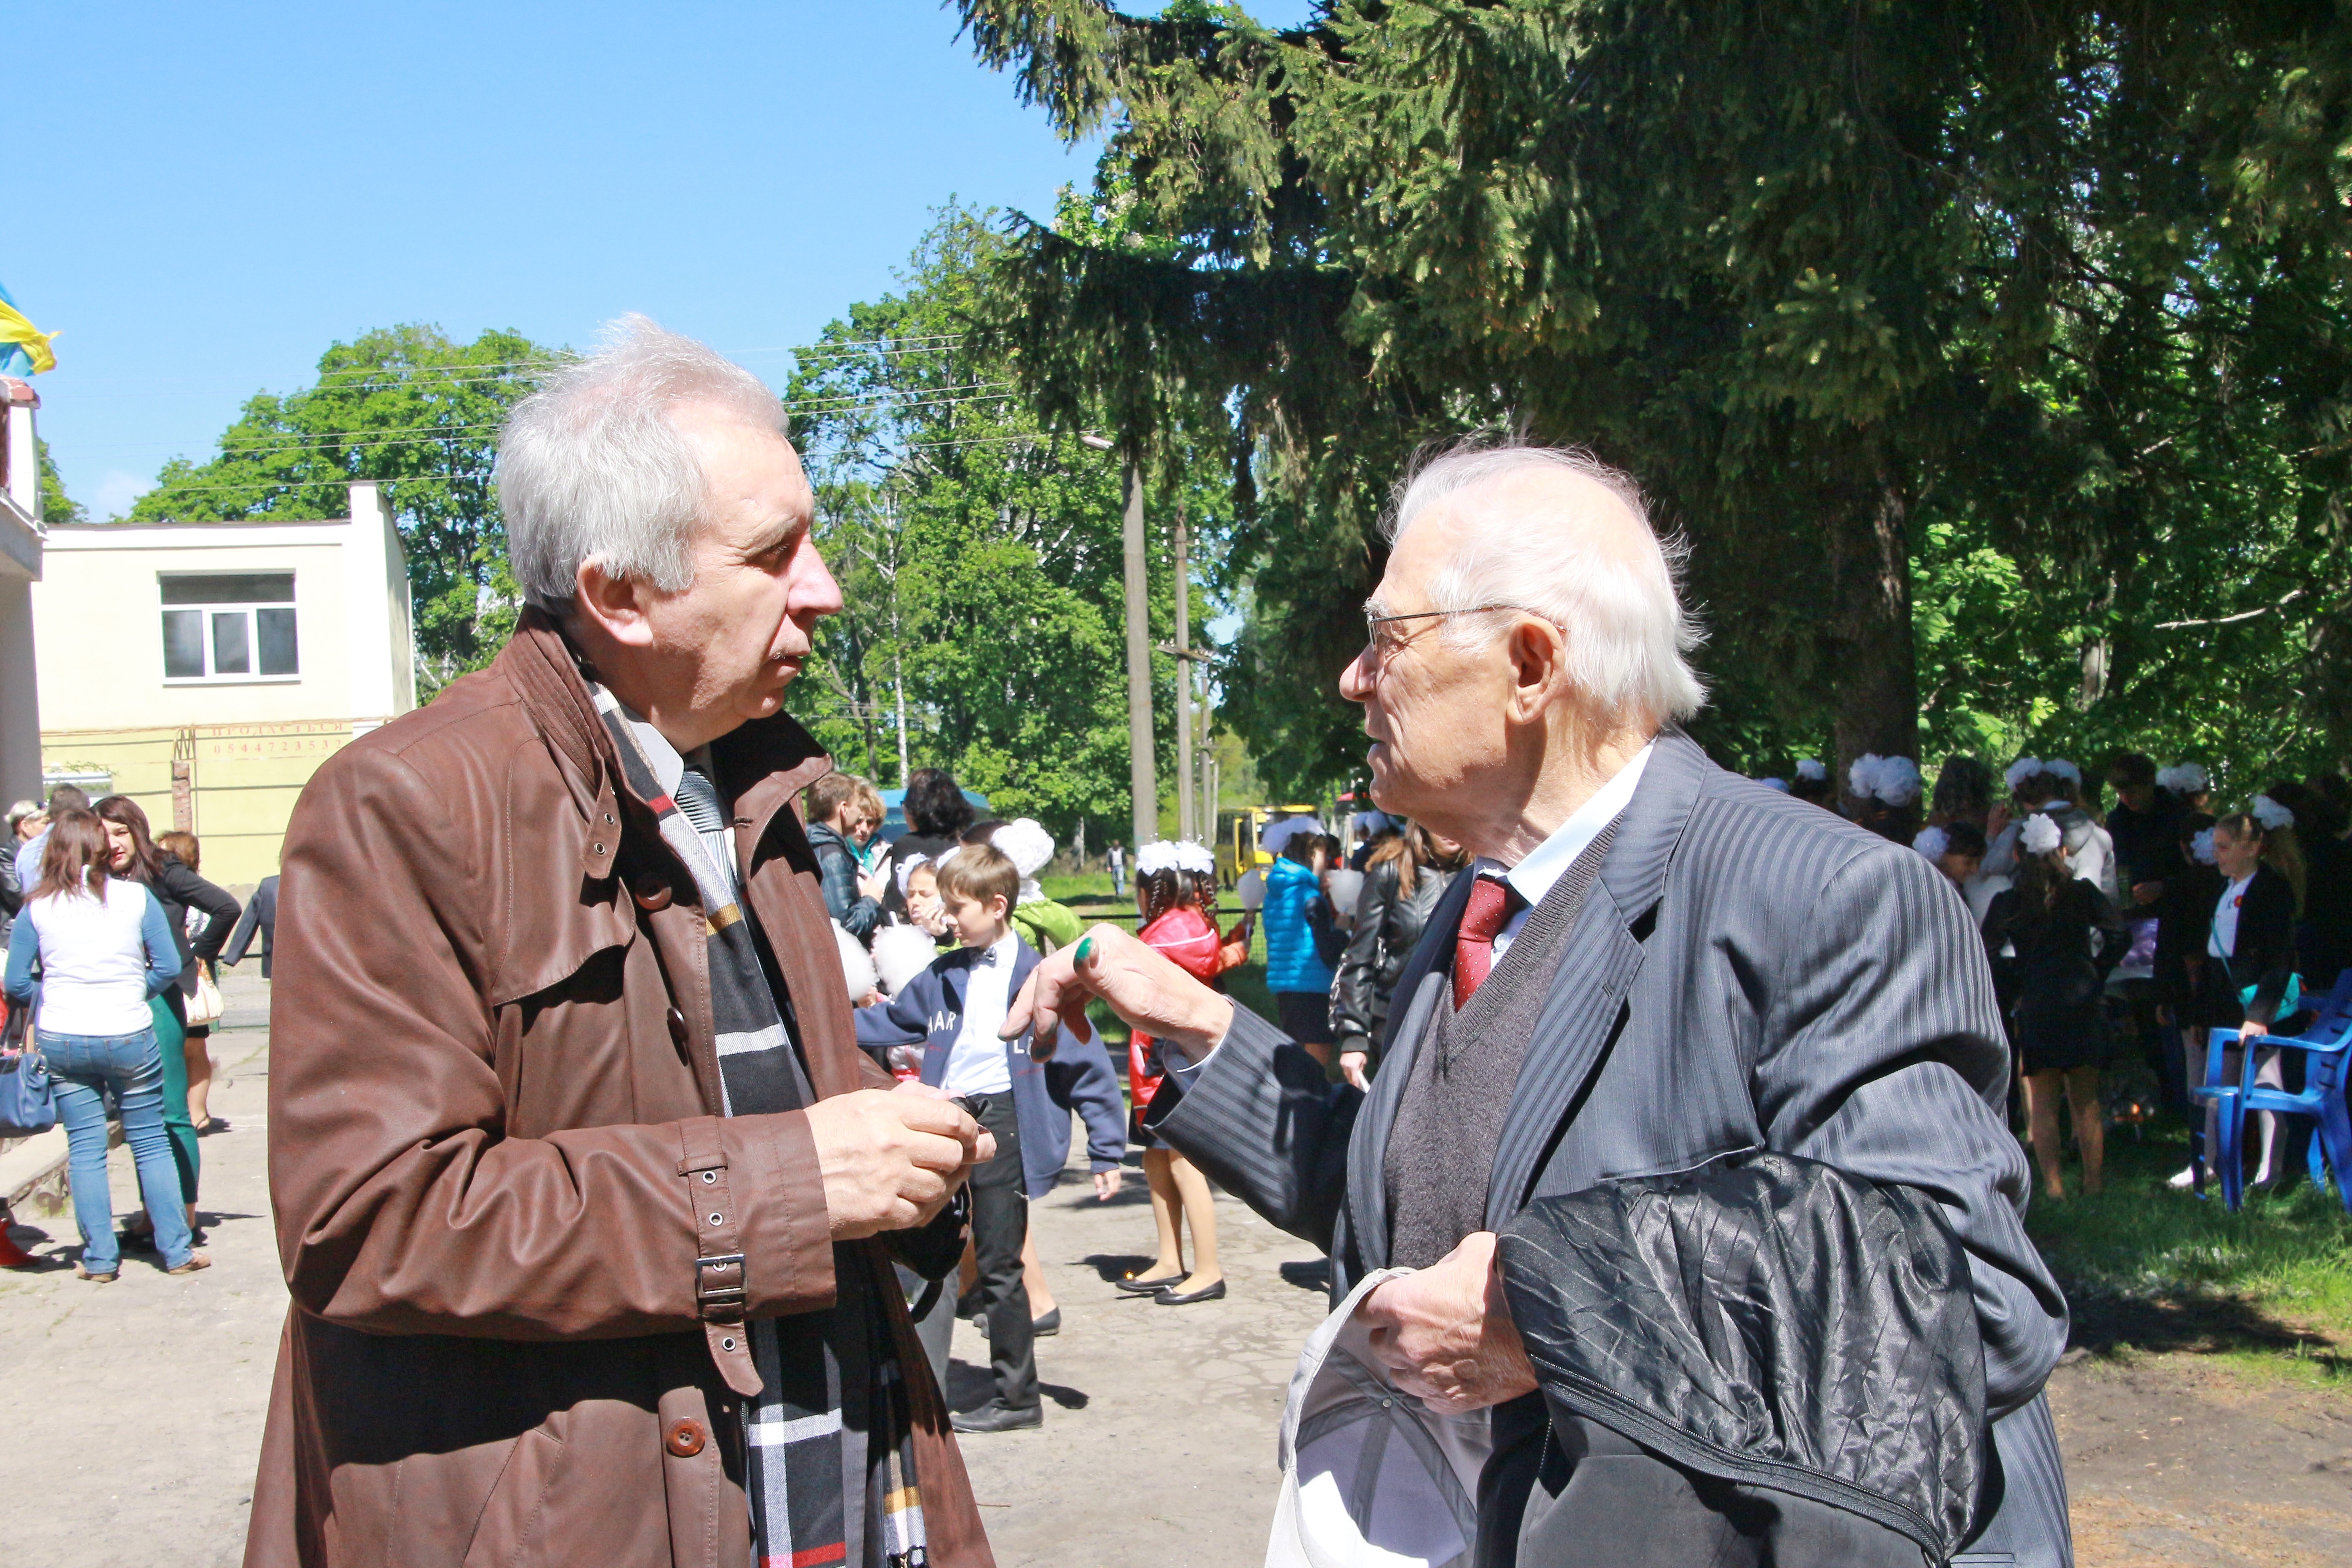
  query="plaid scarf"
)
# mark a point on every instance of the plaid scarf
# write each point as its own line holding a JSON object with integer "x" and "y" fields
{"x": 832, "y": 1420}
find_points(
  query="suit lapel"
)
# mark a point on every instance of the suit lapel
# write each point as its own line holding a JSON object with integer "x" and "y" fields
{"x": 1597, "y": 969}
{"x": 1421, "y": 987}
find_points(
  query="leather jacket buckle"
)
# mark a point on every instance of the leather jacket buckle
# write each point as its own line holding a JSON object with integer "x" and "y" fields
{"x": 713, "y": 1295}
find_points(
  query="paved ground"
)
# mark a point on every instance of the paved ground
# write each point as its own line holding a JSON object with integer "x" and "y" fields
{"x": 141, "y": 1402}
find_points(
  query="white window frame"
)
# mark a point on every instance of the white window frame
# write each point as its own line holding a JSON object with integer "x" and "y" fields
{"x": 206, "y": 611}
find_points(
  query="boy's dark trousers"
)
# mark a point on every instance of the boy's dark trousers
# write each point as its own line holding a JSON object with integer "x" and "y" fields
{"x": 1000, "y": 1224}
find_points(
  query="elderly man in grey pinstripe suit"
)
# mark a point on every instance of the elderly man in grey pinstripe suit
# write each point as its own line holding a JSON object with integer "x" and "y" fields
{"x": 1658, "y": 962}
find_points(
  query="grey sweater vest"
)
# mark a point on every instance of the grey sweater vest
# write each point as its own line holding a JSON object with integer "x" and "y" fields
{"x": 1441, "y": 1152}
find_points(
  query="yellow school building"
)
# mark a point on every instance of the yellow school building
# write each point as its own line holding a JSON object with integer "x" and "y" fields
{"x": 207, "y": 669}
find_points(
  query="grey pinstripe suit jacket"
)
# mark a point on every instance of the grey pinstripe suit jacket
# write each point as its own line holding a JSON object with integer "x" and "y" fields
{"x": 1749, "y": 971}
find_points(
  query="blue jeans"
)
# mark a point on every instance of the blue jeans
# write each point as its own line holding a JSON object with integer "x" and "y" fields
{"x": 85, "y": 1067}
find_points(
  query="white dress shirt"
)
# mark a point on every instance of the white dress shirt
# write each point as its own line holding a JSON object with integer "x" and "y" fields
{"x": 1533, "y": 878}
{"x": 978, "y": 1061}
{"x": 2222, "y": 940}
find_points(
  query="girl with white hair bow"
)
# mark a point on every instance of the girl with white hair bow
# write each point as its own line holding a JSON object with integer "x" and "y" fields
{"x": 2053, "y": 938}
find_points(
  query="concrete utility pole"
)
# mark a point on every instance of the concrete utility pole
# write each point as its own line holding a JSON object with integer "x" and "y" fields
{"x": 1187, "y": 824}
{"x": 1142, "y": 769}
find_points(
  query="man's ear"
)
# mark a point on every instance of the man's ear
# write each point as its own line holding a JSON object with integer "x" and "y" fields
{"x": 610, "y": 603}
{"x": 1537, "y": 652}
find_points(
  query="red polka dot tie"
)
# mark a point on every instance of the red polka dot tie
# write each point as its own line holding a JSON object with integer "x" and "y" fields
{"x": 1492, "y": 904}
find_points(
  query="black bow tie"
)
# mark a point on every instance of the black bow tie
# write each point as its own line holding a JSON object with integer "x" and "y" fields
{"x": 987, "y": 955}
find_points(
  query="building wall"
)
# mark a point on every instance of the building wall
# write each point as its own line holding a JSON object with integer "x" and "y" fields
{"x": 20, "y": 567}
{"x": 225, "y": 759}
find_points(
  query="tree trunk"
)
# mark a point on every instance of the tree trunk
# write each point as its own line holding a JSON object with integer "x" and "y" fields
{"x": 1186, "y": 826}
{"x": 1877, "y": 662}
{"x": 1142, "y": 769}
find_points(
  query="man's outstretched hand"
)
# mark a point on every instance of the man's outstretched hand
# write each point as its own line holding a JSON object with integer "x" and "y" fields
{"x": 1143, "y": 988}
{"x": 1445, "y": 1335}
{"x": 890, "y": 1158}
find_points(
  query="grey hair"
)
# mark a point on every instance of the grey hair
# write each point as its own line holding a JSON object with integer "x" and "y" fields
{"x": 1628, "y": 634}
{"x": 591, "y": 469}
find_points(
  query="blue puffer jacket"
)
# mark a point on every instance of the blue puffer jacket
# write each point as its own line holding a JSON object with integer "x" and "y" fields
{"x": 1290, "y": 961}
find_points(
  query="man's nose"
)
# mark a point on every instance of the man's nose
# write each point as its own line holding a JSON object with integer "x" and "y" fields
{"x": 815, "y": 592}
{"x": 1356, "y": 682}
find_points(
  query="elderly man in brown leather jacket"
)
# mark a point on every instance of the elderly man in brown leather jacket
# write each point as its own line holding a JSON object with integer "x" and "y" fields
{"x": 586, "y": 1198}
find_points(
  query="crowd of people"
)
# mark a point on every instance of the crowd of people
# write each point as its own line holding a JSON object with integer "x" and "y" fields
{"x": 114, "y": 940}
{"x": 2128, "y": 926}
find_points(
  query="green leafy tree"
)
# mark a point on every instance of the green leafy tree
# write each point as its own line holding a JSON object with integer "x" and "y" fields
{"x": 979, "y": 555}
{"x": 410, "y": 407}
{"x": 2039, "y": 307}
{"x": 57, "y": 507}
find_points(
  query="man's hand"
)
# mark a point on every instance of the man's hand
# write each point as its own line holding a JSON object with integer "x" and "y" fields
{"x": 874, "y": 885}
{"x": 2250, "y": 1031}
{"x": 1351, "y": 1068}
{"x": 1150, "y": 992}
{"x": 891, "y": 1159}
{"x": 2146, "y": 893}
{"x": 1106, "y": 1183}
{"x": 1446, "y": 1334}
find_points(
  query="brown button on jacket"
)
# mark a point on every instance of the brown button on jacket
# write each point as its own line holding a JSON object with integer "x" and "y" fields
{"x": 491, "y": 1013}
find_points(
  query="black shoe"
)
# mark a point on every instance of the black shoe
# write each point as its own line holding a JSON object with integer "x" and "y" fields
{"x": 994, "y": 1416}
{"x": 1168, "y": 1298}
{"x": 968, "y": 1306}
{"x": 1135, "y": 1287}
{"x": 1051, "y": 1323}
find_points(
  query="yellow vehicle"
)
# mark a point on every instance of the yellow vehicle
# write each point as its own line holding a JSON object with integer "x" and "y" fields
{"x": 1238, "y": 838}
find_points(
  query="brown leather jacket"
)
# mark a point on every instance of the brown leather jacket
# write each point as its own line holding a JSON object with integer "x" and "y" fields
{"x": 491, "y": 1020}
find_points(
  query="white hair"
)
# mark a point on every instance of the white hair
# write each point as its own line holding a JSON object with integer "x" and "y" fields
{"x": 1628, "y": 634}
{"x": 591, "y": 469}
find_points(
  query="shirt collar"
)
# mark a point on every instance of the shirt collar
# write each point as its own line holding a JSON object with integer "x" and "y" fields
{"x": 1533, "y": 878}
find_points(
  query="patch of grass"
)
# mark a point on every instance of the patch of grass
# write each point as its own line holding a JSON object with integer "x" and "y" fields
{"x": 2147, "y": 1267}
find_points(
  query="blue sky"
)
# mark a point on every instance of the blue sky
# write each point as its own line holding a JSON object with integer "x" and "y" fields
{"x": 205, "y": 197}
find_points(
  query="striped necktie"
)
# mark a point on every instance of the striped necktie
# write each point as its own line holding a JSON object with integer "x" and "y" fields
{"x": 698, "y": 802}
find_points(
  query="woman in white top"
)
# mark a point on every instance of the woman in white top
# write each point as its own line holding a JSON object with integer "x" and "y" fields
{"x": 104, "y": 948}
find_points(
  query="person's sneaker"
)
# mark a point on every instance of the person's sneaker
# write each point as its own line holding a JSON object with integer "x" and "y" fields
{"x": 195, "y": 1260}
{"x": 997, "y": 1417}
{"x": 109, "y": 1278}
{"x": 2184, "y": 1181}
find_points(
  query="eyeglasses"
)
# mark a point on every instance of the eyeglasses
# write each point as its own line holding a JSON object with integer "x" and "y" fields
{"x": 1378, "y": 648}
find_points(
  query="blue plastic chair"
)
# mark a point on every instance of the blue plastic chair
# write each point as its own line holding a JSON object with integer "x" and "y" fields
{"x": 2223, "y": 1148}
{"x": 2327, "y": 1048}
{"x": 2327, "y": 1038}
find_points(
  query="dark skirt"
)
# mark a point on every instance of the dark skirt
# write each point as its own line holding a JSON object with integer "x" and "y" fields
{"x": 2060, "y": 1038}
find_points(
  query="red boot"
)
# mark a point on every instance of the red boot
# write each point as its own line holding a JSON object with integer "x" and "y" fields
{"x": 11, "y": 1255}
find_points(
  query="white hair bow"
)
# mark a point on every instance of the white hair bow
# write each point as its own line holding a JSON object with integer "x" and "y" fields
{"x": 2185, "y": 778}
{"x": 2017, "y": 772}
{"x": 2271, "y": 814}
{"x": 2041, "y": 834}
{"x": 1812, "y": 769}
{"x": 1932, "y": 842}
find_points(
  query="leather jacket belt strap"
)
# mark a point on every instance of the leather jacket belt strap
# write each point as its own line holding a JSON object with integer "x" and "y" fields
{"x": 719, "y": 1272}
